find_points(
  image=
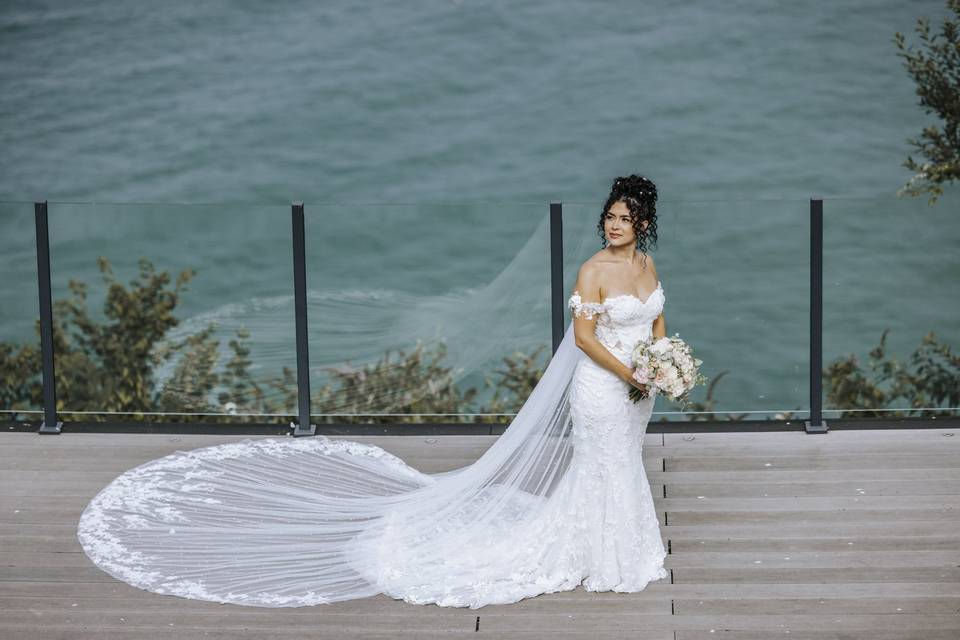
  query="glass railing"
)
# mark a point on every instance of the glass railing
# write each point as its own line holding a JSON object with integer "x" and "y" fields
{"x": 174, "y": 312}
{"x": 21, "y": 396}
{"x": 442, "y": 313}
{"x": 891, "y": 309}
{"x": 735, "y": 282}
{"x": 426, "y": 313}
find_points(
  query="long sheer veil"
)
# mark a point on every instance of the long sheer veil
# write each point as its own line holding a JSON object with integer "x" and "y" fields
{"x": 283, "y": 522}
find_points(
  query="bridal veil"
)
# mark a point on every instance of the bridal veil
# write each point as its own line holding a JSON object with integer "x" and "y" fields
{"x": 284, "y": 522}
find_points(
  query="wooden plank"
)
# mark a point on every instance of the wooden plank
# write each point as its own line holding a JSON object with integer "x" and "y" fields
{"x": 785, "y": 440}
{"x": 683, "y": 540}
{"x": 92, "y": 590}
{"x": 54, "y": 574}
{"x": 63, "y": 510}
{"x": 241, "y": 621}
{"x": 179, "y": 632}
{"x": 813, "y": 530}
{"x": 905, "y": 558}
{"x": 919, "y": 566}
{"x": 505, "y": 618}
{"x": 877, "y": 633}
{"x": 774, "y": 463}
{"x": 877, "y": 487}
{"x": 760, "y": 574}
{"x": 838, "y": 440}
{"x": 785, "y": 518}
{"x": 78, "y": 485}
{"x": 192, "y": 441}
{"x": 856, "y": 502}
{"x": 754, "y": 559}
{"x": 811, "y": 445}
{"x": 934, "y": 542}
{"x": 40, "y": 515}
{"x": 149, "y": 446}
{"x": 100, "y": 592}
{"x": 817, "y": 606}
{"x": 36, "y": 476}
{"x": 765, "y": 591}
{"x": 53, "y": 544}
{"x": 10, "y": 559}
{"x": 184, "y": 607}
{"x": 466, "y": 447}
{"x": 662, "y": 590}
{"x": 70, "y": 440}
{"x": 506, "y": 624}
{"x": 32, "y": 491}
{"x": 118, "y": 465}
{"x": 674, "y": 477}
{"x": 859, "y": 501}
{"x": 148, "y": 452}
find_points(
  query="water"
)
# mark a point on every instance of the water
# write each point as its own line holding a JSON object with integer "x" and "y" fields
{"x": 477, "y": 107}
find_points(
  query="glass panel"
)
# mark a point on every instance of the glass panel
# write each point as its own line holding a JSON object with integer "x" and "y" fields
{"x": 735, "y": 280}
{"x": 413, "y": 309}
{"x": 173, "y": 312}
{"x": 414, "y": 318}
{"x": 21, "y": 395}
{"x": 890, "y": 307}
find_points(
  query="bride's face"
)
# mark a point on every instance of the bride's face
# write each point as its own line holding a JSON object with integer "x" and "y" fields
{"x": 618, "y": 225}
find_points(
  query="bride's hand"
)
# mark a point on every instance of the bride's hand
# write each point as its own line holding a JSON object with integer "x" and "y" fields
{"x": 637, "y": 385}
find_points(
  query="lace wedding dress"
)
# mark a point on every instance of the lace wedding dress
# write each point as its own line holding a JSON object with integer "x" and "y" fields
{"x": 561, "y": 499}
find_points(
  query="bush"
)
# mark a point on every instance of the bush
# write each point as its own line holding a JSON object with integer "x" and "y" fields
{"x": 108, "y": 368}
{"x": 932, "y": 379}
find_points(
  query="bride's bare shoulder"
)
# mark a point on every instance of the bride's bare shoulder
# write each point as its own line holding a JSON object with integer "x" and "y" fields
{"x": 589, "y": 277}
{"x": 597, "y": 261}
{"x": 592, "y": 266}
{"x": 601, "y": 256}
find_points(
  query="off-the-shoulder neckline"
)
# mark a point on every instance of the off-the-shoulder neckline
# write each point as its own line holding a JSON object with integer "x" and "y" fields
{"x": 625, "y": 295}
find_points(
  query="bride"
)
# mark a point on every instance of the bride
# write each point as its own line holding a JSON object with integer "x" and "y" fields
{"x": 561, "y": 499}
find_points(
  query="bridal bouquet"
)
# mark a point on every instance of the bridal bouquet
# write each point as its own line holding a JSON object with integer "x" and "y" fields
{"x": 665, "y": 365}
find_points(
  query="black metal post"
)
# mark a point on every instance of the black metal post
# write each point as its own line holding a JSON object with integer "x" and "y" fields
{"x": 302, "y": 427}
{"x": 816, "y": 424}
{"x": 50, "y": 423}
{"x": 556, "y": 273}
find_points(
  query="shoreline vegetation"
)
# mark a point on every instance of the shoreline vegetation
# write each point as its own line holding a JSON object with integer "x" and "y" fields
{"x": 109, "y": 367}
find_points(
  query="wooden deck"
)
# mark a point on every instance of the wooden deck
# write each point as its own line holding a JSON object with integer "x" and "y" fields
{"x": 851, "y": 534}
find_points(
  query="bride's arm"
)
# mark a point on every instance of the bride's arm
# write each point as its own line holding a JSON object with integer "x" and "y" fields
{"x": 585, "y": 323}
{"x": 659, "y": 328}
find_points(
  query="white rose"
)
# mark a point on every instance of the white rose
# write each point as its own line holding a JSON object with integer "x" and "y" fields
{"x": 670, "y": 372}
{"x": 661, "y": 347}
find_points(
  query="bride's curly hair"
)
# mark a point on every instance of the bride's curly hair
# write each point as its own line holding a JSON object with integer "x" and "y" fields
{"x": 640, "y": 196}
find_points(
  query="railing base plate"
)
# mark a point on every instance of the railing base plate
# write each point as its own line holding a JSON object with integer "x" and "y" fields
{"x": 44, "y": 428}
{"x": 820, "y": 428}
{"x": 303, "y": 431}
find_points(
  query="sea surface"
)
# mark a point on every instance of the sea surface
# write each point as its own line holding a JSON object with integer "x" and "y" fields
{"x": 427, "y": 140}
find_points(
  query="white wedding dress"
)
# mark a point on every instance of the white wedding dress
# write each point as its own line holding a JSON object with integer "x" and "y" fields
{"x": 559, "y": 500}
